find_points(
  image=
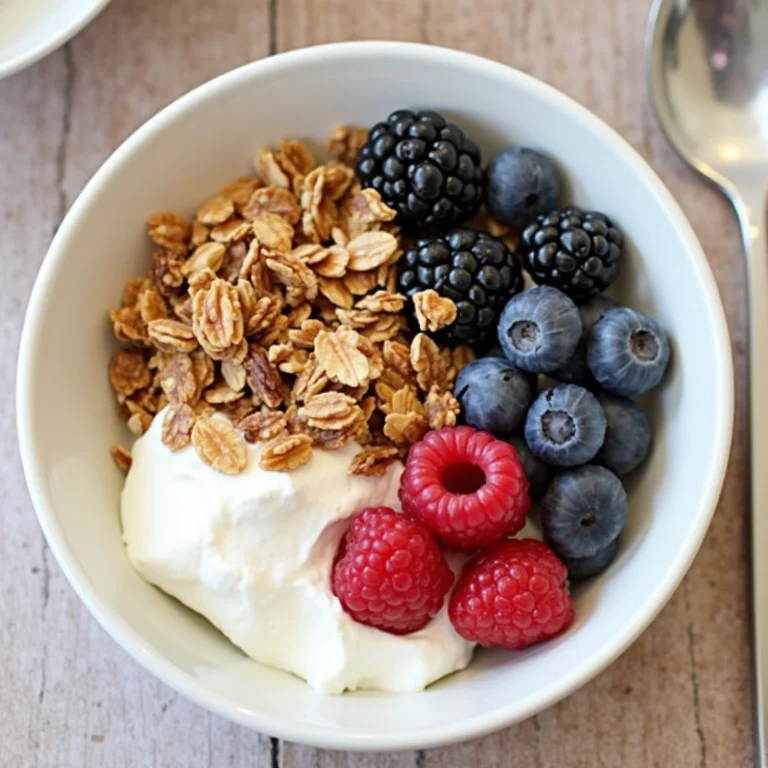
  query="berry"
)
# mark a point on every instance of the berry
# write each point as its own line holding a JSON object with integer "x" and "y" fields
{"x": 627, "y": 434}
{"x": 423, "y": 167}
{"x": 512, "y": 597}
{"x": 494, "y": 396}
{"x": 578, "y": 252}
{"x": 583, "y": 511}
{"x": 539, "y": 330}
{"x": 627, "y": 352}
{"x": 565, "y": 426}
{"x": 475, "y": 270}
{"x": 538, "y": 473}
{"x": 575, "y": 371}
{"x": 520, "y": 185}
{"x": 586, "y": 567}
{"x": 390, "y": 573}
{"x": 468, "y": 487}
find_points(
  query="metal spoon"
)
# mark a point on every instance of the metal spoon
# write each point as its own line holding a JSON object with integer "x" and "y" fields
{"x": 708, "y": 69}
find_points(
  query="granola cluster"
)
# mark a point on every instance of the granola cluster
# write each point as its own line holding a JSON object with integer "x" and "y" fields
{"x": 276, "y": 308}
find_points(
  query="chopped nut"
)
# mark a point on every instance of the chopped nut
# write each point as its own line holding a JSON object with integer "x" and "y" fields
{"x": 272, "y": 231}
{"x": 217, "y": 319}
{"x": 373, "y": 462}
{"x": 169, "y": 231}
{"x": 336, "y": 292}
{"x": 122, "y": 457}
{"x": 139, "y": 419}
{"x": 177, "y": 427}
{"x": 441, "y": 409}
{"x": 277, "y": 333}
{"x": 219, "y": 445}
{"x": 433, "y": 311}
{"x": 133, "y": 289}
{"x": 276, "y": 200}
{"x": 293, "y": 273}
{"x": 360, "y": 283}
{"x": 334, "y": 264}
{"x": 263, "y": 425}
{"x": 171, "y": 335}
{"x": 128, "y": 372}
{"x": 331, "y": 410}
{"x": 310, "y": 381}
{"x": 237, "y": 410}
{"x": 166, "y": 272}
{"x": 128, "y": 325}
{"x": 367, "y": 207}
{"x": 286, "y": 452}
{"x": 370, "y": 250}
{"x": 298, "y": 315}
{"x": 383, "y": 301}
{"x": 405, "y": 429}
{"x": 208, "y": 255}
{"x": 340, "y": 358}
{"x": 427, "y": 362}
{"x": 232, "y": 230}
{"x": 241, "y": 190}
{"x": 233, "y": 374}
{"x": 345, "y": 143}
{"x": 216, "y": 210}
{"x": 178, "y": 380}
{"x": 263, "y": 378}
{"x": 268, "y": 170}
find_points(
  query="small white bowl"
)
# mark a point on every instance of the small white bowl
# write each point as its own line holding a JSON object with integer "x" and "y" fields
{"x": 67, "y": 419}
{"x": 31, "y": 29}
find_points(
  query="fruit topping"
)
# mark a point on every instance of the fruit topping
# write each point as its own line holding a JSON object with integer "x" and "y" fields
{"x": 539, "y": 330}
{"x": 390, "y": 573}
{"x": 576, "y": 251}
{"x": 512, "y": 597}
{"x": 474, "y": 270}
{"x": 467, "y": 486}
{"x": 521, "y": 184}
{"x": 423, "y": 167}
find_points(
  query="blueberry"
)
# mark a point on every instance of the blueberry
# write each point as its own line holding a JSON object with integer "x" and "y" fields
{"x": 575, "y": 371}
{"x": 565, "y": 426}
{"x": 494, "y": 396}
{"x": 627, "y": 434}
{"x": 583, "y": 511}
{"x": 586, "y": 567}
{"x": 521, "y": 184}
{"x": 538, "y": 473}
{"x": 539, "y": 329}
{"x": 627, "y": 352}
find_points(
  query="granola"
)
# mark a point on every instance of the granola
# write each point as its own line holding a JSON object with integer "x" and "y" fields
{"x": 275, "y": 305}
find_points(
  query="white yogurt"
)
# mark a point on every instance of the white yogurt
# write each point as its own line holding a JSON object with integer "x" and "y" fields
{"x": 253, "y": 554}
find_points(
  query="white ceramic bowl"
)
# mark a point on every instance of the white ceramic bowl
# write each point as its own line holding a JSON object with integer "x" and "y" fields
{"x": 67, "y": 416}
{"x": 31, "y": 29}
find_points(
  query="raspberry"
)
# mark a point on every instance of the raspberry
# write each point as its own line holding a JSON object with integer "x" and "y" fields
{"x": 390, "y": 573}
{"x": 512, "y": 597}
{"x": 468, "y": 487}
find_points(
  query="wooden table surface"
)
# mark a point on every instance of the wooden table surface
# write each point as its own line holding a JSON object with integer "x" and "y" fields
{"x": 69, "y": 696}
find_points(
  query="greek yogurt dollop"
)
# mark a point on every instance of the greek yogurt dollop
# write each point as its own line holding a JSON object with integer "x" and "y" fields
{"x": 253, "y": 554}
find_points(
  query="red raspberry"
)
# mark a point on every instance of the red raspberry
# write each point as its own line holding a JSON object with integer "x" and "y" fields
{"x": 468, "y": 487}
{"x": 390, "y": 573}
{"x": 512, "y": 597}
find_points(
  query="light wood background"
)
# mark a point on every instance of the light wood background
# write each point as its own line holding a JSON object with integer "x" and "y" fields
{"x": 68, "y": 695}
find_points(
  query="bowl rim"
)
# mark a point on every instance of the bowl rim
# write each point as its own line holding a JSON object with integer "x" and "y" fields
{"x": 312, "y": 734}
{"x": 54, "y": 41}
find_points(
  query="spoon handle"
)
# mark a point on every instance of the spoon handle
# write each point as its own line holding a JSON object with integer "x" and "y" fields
{"x": 752, "y": 217}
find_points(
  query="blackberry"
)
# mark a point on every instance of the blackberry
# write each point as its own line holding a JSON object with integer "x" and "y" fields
{"x": 576, "y": 251}
{"x": 423, "y": 167}
{"x": 473, "y": 269}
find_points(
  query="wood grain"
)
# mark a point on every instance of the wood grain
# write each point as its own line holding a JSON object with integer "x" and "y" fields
{"x": 70, "y": 697}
